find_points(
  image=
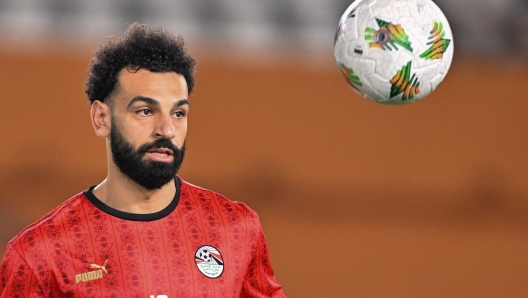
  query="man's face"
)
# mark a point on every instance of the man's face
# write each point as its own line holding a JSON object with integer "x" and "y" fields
{"x": 149, "y": 125}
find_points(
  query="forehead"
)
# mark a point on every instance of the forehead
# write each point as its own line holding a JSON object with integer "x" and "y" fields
{"x": 168, "y": 86}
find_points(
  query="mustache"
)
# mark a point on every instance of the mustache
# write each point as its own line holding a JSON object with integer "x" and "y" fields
{"x": 159, "y": 143}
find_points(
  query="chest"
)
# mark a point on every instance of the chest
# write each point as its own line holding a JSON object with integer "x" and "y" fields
{"x": 187, "y": 254}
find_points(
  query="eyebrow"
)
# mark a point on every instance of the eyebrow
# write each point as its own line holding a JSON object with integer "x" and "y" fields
{"x": 181, "y": 102}
{"x": 148, "y": 100}
{"x": 156, "y": 103}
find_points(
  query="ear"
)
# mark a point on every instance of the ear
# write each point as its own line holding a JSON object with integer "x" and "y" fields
{"x": 101, "y": 118}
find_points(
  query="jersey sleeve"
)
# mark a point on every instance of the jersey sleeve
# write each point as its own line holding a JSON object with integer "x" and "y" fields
{"x": 260, "y": 281}
{"x": 16, "y": 277}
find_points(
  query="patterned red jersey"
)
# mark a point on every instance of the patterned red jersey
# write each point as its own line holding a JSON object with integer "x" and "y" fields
{"x": 201, "y": 245}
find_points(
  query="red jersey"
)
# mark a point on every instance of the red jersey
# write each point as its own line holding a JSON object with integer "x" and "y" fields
{"x": 201, "y": 245}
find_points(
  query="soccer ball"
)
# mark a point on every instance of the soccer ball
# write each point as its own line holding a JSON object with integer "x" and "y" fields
{"x": 204, "y": 255}
{"x": 393, "y": 51}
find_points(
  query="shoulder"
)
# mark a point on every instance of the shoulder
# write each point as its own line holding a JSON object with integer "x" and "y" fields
{"x": 33, "y": 233}
{"x": 206, "y": 197}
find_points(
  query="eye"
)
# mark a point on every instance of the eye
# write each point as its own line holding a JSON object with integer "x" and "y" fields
{"x": 179, "y": 114}
{"x": 144, "y": 112}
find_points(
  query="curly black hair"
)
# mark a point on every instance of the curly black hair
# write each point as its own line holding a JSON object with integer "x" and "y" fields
{"x": 141, "y": 47}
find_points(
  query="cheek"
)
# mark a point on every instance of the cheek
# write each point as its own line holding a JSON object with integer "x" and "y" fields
{"x": 137, "y": 135}
{"x": 181, "y": 133}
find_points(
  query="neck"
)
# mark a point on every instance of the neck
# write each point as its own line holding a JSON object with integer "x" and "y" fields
{"x": 121, "y": 193}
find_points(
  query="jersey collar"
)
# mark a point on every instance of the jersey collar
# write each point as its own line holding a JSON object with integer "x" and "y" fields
{"x": 134, "y": 216}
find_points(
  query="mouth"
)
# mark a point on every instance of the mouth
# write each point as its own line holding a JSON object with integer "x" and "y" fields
{"x": 161, "y": 151}
{"x": 161, "y": 154}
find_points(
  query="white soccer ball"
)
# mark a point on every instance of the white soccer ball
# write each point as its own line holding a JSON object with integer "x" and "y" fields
{"x": 393, "y": 51}
{"x": 204, "y": 255}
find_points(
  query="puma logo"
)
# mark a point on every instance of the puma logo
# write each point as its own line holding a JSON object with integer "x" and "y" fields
{"x": 87, "y": 276}
{"x": 102, "y": 267}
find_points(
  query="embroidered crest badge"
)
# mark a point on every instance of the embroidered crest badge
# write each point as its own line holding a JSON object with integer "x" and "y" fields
{"x": 209, "y": 261}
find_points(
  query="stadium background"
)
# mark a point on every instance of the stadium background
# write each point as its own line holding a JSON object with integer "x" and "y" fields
{"x": 357, "y": 199}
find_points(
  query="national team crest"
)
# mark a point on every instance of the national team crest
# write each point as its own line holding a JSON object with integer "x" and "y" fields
{"x": 209, "y": 261}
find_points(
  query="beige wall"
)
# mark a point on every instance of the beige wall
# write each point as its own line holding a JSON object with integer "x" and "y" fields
{"x": 357, "y": 199}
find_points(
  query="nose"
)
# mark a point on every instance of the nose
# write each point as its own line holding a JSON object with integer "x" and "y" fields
{"x": 165, "y": 128}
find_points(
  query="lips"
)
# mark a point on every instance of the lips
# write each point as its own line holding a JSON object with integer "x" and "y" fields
{"x": 161, "y": 151}
{"x": 161, "y": 154}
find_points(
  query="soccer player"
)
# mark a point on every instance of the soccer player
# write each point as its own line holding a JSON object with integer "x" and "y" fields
{"x": 143, "y": 231}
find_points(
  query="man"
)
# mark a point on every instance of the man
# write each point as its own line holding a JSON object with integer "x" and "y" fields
{"x": 143, "y": 231}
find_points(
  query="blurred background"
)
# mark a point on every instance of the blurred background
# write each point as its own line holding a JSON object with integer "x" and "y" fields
{"x": 357, "y": 199}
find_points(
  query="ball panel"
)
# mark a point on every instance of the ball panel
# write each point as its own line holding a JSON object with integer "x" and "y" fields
{"x": 382, "y": 86}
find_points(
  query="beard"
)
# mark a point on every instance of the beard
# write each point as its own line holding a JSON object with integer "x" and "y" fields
{"x": 147, "y": 173}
